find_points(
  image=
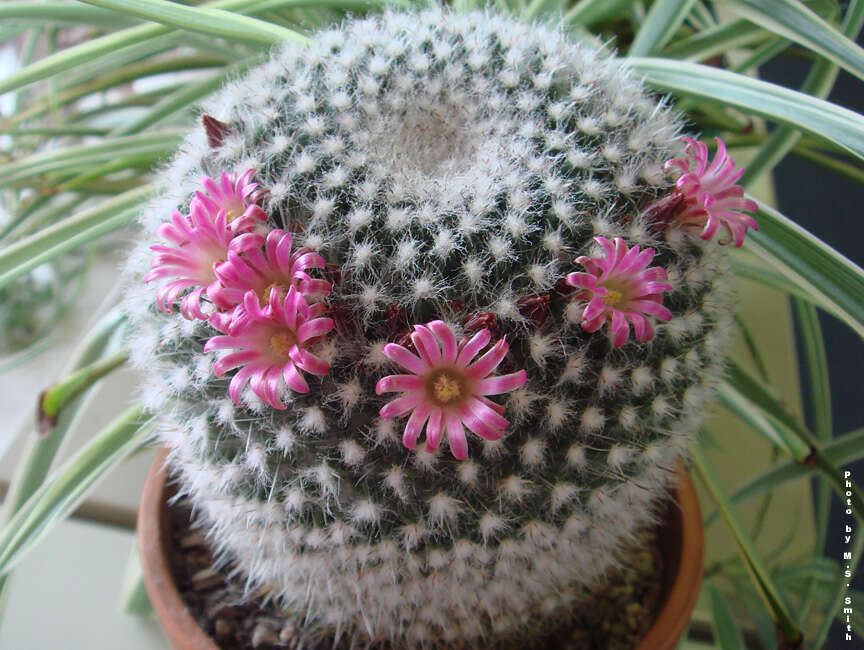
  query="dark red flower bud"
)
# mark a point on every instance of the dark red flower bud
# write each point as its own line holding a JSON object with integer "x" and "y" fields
{"x": 344, "y": 320}
{"x": 404, "y": 339}
{"x": 534, "y": 307}
{"x": 216, "y": 130}
{"x": 476, "y": 322}
{"x": 397, "y": 319}
{"x": 561, "y": 287}
{"x": 658, "y": 213}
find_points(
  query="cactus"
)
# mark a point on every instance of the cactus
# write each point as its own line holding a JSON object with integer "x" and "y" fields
{"x": 427, "y": 184}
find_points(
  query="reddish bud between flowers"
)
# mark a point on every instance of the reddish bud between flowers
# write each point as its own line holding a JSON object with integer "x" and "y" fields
{"x": 216, "y": 130}
{"x": 661, "y": 211}
{"x": 562, "y": 288}
{"x": 396, "y": 319}
{"x": 535, "y": 308}
{"x": 344, "y": 319}
{"x": 476, "y": 322}
{"x": 457, "y": 306}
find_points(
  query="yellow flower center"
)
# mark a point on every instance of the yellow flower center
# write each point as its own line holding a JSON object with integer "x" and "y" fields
{"x": 283, "y": 342}
{"x": 446, "y": 389}
{"x": 447, "y": 386}
{"x": 612, "y": 297}
{"x": 233, "y": 210}
{"x": 264, "y": 296}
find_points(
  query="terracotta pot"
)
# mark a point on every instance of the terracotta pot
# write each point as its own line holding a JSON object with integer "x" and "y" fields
{"x": 682, "y": 545}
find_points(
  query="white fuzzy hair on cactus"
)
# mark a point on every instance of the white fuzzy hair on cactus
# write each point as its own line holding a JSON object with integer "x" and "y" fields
{"x": 431, "y": 184}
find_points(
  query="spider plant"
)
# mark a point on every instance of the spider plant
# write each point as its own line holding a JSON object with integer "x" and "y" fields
{"x": 105, "y": 88}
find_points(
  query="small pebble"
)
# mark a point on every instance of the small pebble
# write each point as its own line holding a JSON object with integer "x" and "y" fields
{"x": 192, "y": 540}
{"x": 263, "y": 634}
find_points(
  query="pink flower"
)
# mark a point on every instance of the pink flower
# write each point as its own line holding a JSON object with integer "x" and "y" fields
{"x": 271, "y": 344}
{"x": 711, "y": 197}
{"x": 445, "y": 391}
{"x": 619, "y": 287}
{"x": 262, "y": 270}
{"x": 234, "y": 196}
{"x": 200, "y": 242}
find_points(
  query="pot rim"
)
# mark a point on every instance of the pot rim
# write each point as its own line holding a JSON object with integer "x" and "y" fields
{"x": 682, "y": 582}
{"x": 682, "y": 576}
{"x": 154, "y": 537}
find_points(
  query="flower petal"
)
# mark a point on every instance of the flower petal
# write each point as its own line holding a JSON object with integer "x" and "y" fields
{"x": 415, "y": 425}
{"x": 489, "y": 361}
{"x": 487, "y": 415}
{"x": 231, "y": 361}
{"x": 294, "y": 379}
{"x": 426, "y": 344}
{"x": 307, "y": 361}
{"x": 473, "y": 346}
{"x": 456, "y": 436}
{"x": 398, "y": 383}
{"x": 314, "y": 328}
{"x": 239, "y": 381}
{"x": 401, "y": 405}
{"x": 500, "y": 384}
{"x": 619, "y": 330}
{"x": 406, "y": 359}
{"x": 478, "y": 426}
{"x": 449, "y": 345}
{"x": 434, "y": 429}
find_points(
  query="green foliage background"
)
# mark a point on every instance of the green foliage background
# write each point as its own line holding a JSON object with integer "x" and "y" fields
{"x": 82, "y": 139}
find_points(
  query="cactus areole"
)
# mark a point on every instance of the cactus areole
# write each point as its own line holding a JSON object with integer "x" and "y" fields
{"x": 429, "y": 309}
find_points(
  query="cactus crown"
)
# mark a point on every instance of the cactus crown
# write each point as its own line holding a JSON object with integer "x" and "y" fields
{"x": 468, "y": 173}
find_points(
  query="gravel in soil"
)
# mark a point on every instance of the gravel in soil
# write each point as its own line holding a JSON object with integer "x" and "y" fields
{"x": 621, "y": 611}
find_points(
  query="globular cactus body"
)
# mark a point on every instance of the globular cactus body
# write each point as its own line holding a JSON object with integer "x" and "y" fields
{"x": 447, "y": 169}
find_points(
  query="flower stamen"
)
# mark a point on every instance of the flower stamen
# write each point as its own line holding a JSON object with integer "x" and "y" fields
{"x": 612, "y": 297}
{"x": 446, "y": 388}
{"x": 264, "y": 296}
{"x": 233, "y": 210}
{"x": 283, "y": 342}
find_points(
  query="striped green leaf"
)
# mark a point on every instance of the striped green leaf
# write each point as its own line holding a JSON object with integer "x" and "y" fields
{"x": 70, "y": 233}
{"x": 86, "y": 155}
{"x": 809, "y": 262}
{"x": 822, "y": 119}
{"x": 818, "y": 83}
{"x": 181, "y": 99}
{"x": 793, "y": 20}
{"x": 727, "y": 632}
{"x": 714, "y": 41}
{"x": 205, "y": 20}
{"x": 591, "y": 12}
{"x": 815, "y": 365}
{"x": 660, "y": 24}
{"x": 65, "y": 488}
{"x": 117, "y": 76}
{"x": 776, "y": 431}
{"x": 844, "y": 449}
{"x": 763, "y": 274}
{"x": 762, "y": 580}
{"x": 58, "y": 396}
{"x": 45, "y": 11}
{"x": 750, "y": 400}
{"x": 78, "y": 56}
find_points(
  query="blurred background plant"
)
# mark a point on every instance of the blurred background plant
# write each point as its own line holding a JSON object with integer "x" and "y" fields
{"x": 99, "y": 92}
